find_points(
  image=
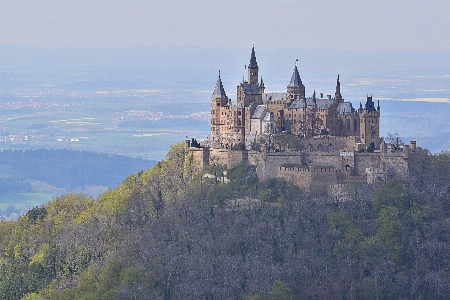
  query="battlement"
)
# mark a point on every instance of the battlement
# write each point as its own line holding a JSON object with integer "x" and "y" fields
{"x": 375, "y": 170}
{"x": 337, "y": 186}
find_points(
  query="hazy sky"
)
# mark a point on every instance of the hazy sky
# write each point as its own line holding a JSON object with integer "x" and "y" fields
{"x": 318, "y": 24}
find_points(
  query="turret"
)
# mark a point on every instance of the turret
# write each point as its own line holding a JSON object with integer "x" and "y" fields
{"x": 219, "y": 95}
{"x": 370, "y": 106}
{"x": 261, "y": 86}
{"x": 296, "y": 89}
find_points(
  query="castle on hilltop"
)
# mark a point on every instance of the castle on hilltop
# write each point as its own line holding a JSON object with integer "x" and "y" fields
{"x": 256, "y": 114}
{"x": 310, "y": 141}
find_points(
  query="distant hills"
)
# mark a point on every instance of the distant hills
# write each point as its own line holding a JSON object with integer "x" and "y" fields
{"x": 54, "y": 172}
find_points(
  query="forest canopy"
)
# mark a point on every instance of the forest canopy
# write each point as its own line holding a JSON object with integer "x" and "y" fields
{"x": 166, "y": 234}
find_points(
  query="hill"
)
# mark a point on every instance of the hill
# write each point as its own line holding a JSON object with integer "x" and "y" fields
{"x": 166, "y": 234}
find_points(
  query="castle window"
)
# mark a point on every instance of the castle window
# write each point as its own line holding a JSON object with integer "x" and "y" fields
{"x": 348, "y": 124}
{"x": 330, "y": 148}
{"x": 311, "y": 149}
{"x": 320, "y": 148}
{"x": 355, "y": 125}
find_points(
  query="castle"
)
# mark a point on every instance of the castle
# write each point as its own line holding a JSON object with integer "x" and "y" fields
{"x": 310, "y": 141}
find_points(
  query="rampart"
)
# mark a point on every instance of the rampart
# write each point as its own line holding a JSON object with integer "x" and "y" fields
{"x": 306, "y": 177}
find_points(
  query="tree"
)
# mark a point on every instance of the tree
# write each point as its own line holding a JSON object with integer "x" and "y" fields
{"x": 395, "y": 140}
{"x": 311, "y": 124}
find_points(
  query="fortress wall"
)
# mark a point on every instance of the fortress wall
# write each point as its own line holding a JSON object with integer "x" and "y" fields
{"x": 218, "y": 157}
{"x": 338, "y": 143}
{"x": 197, "y": 158}
{"x": 375, "y": 175}
{"x": 366, "y": 160}
{"x": 323, "y": 176}
{"x": 268, "y": 168}
{"x": 323, "y": 159}
{"x": 236, "y": 157}
{"x": 396, "y": 165}
{"x": 253, "y": 157}
{"x": 344, "y": 175}
{"x": 298, "y": 176}
{"x": 306, "y": 178}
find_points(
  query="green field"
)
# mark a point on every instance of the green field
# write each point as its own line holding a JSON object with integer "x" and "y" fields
{"x": 21, "y": 200}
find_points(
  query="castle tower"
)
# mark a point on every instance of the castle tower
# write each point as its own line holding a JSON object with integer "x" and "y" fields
{"x": 253, "y": 68}
{"x": 296, "y": 89}
{"x": 369, "y": 118}
{"x": 219, "y": 104}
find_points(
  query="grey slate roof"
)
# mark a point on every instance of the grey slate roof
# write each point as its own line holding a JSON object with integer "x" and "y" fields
{"x": 253, "y": 63}
{"x": 251, "y": 88}
{"x": 219, "y": 91}
{"x": 345, "y": 107}
{"x": 370, "y": 106}
{"x": 321, "y": 102}
{"x": 296, "y": 81}
{"x": 274, "y": 96}
{"x": 259, "y": 111}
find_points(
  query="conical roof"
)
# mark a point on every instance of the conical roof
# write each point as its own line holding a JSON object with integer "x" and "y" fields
{"x": 219, "y": 91}
{"x": 253, "y": 63}
{"x": 296, "y": 81}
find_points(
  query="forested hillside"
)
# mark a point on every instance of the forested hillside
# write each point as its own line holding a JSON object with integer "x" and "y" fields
{"x": 164, "y": 233}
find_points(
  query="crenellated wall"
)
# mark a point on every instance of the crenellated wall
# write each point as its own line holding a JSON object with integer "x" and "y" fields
{"x": 312, "y": 170}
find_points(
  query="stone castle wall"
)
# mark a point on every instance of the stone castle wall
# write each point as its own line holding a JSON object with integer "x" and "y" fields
{"x": 306, "y": 177}
{"x": 330, "y": 144}
{"x": 268, "y": 167}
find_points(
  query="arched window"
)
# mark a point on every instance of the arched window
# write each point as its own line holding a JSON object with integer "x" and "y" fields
{"x": 348, "y": 124}
{"x": 320, "y": 148}
{"x": 355, "y": 125}
{"x": 311, "y": 148}
{"x": 330, "y": 148}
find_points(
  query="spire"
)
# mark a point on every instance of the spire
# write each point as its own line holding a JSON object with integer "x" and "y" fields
{"x": 296, "y": 81}
{"x": 338, "y": 95}
{"x": 219, "y": 91}
{"x": 253, "y": 63}
{"x": 314, "y": 98}
{"x": 262, "y": 82}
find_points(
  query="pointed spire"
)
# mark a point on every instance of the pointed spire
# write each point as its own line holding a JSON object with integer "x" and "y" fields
{"x": 296, "y": 81}
{"x": 262, "y": 82}
{"x": 253, "y": 63}
{"x": 219, "y": 91}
